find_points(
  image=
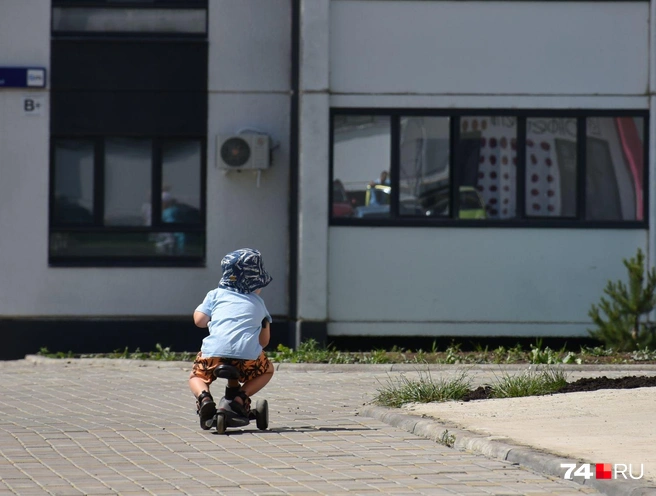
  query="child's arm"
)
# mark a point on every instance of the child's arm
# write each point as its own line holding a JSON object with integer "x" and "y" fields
{"x": 201, "y": 319}
{"x": 265, "y": 333}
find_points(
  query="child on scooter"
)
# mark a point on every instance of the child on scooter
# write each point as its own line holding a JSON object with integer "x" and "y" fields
{"x": 238, "y": 323}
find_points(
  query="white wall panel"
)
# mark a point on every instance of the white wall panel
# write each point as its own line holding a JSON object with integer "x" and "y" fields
{"x": 239, "y": 213}
{"x": 23, "y": 199}
{"x": 453, "y": 329}
{"x": 313, "y": 208}
{"x": 249, "y": 45}
{"x": 25, "y": 41}
{"x": 24, "y": 33}
{"x": 478, "y": 276}
{"x": 489, "y": 47}
{"x": 315, "y": 44}
{"x": 626, "y": 102}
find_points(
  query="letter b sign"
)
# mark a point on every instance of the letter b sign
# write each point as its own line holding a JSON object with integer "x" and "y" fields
{"x": 32, "y": 105}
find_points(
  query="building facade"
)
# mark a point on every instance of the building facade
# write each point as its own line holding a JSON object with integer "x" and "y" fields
{"x": 407, "y": 168}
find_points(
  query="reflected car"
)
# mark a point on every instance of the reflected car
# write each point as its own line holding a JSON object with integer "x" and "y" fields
{"x": 471, "y": 204}
{"x": 377, "y": 203}
{"x": 377, "y": 200}
{"x": 342, "y": 204}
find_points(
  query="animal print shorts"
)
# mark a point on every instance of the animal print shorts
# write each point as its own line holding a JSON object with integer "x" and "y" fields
{"x": 248, "y": 369}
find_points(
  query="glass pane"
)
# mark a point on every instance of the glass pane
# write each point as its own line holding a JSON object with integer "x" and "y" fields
{"x": 107, "y": 20}
{"x": 614, "y": 168}
{"x": 127, "y": 245}
{"x": 551, "y": 167}
{"x": 181, "y": 168}
{"x": 361, "y": 162}
{"x": 127, "y": 181}
{"x": 73, "y": 177}
{"x": 424, "y": 172}
{"x": 486, "y": 164}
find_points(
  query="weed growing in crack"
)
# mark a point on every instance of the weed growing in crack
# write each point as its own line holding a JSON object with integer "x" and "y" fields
{"x": 446, "y": 439}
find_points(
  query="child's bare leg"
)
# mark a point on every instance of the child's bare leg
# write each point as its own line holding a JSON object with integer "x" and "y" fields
{"x": 204, "y": 402}
{"x": 254, "y": 385}
{"x": 197, "y": 386}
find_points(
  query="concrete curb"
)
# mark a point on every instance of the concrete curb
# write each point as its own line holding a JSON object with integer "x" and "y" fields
{"x": 359, "y": 367}
{"x": 419, "y": 367}
{"x": 501, "y": 449}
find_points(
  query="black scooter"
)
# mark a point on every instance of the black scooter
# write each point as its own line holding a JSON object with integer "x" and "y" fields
{"x": 226, "y": 418}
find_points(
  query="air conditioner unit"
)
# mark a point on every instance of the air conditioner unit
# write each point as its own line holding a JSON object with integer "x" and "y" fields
{"x": 247, "y": 151}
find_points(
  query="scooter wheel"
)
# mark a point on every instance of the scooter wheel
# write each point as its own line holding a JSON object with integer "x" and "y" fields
{"x": 220, "y": 423}
{"x": 262, "y": 414}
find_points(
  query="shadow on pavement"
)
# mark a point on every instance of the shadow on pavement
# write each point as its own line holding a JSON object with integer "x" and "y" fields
{"x": 304, "y": 428}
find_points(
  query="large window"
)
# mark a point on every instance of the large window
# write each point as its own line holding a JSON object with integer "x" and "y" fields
{"x": 117, "y": 217}
{"x": 536, "y": 168}
{"x": 128, "y": 133}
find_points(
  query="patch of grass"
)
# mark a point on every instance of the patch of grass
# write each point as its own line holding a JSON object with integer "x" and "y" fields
{"x": 644, "y": 355}
{"x": 447, "y": 439}
{"x": 60, "y": 354}
{"x": 311, "y": 351}
{"x": 161, "y": 353}
{"x": 597, "y": 351}
{"x": 529, "y": 383}
{"x": 542, "y": 355}
{"x": 572, "y": 358}
{"x": 402, "y": 390}
{"x": 453, "y": 354}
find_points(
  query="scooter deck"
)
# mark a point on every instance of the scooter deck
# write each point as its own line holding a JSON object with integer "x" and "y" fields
{"x": 233, "y": 420}
{"x": 225, "y": 419}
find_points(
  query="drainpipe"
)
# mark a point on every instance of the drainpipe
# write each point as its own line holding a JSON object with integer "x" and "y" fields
{"x": 295, "y": 84}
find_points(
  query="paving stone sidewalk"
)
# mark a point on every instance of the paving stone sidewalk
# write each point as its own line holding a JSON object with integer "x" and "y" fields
{"x": 104, "y": 427}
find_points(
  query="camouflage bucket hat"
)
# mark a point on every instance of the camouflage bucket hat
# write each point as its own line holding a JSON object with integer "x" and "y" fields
{"x": 243, "y": 271}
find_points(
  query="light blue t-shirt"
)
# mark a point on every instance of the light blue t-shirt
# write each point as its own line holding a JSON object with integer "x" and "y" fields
{"x": 235, "y": 325}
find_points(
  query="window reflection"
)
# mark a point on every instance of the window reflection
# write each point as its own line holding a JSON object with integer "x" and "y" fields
{"x": 129, "y": 167}
{"x": 73, "y": 182}
{"x": 486, "y": 164}
{"x": 551, "y": 167}
{"x": 128, "y": 164}
{"x": 614, "y": 168}
{"x": 119, "y": 245}
{"x": 424, "y": 169}
{"x": 181, "y": 180}
{"x": 180, "y": 193}
{"x": 361, "y": 153}
{"x": 478, "y": 168}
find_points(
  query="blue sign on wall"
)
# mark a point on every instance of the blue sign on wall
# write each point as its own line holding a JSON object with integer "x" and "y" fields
{"x": 22, "y": 77}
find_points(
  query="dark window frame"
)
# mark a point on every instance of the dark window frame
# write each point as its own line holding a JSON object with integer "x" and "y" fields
{"x": 522, "y": 220}
{"x": 144, "y": 129}
{"x": 157, "y": 225}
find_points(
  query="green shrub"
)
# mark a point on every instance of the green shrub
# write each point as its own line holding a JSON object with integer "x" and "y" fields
{"x": 622, "y": 319}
